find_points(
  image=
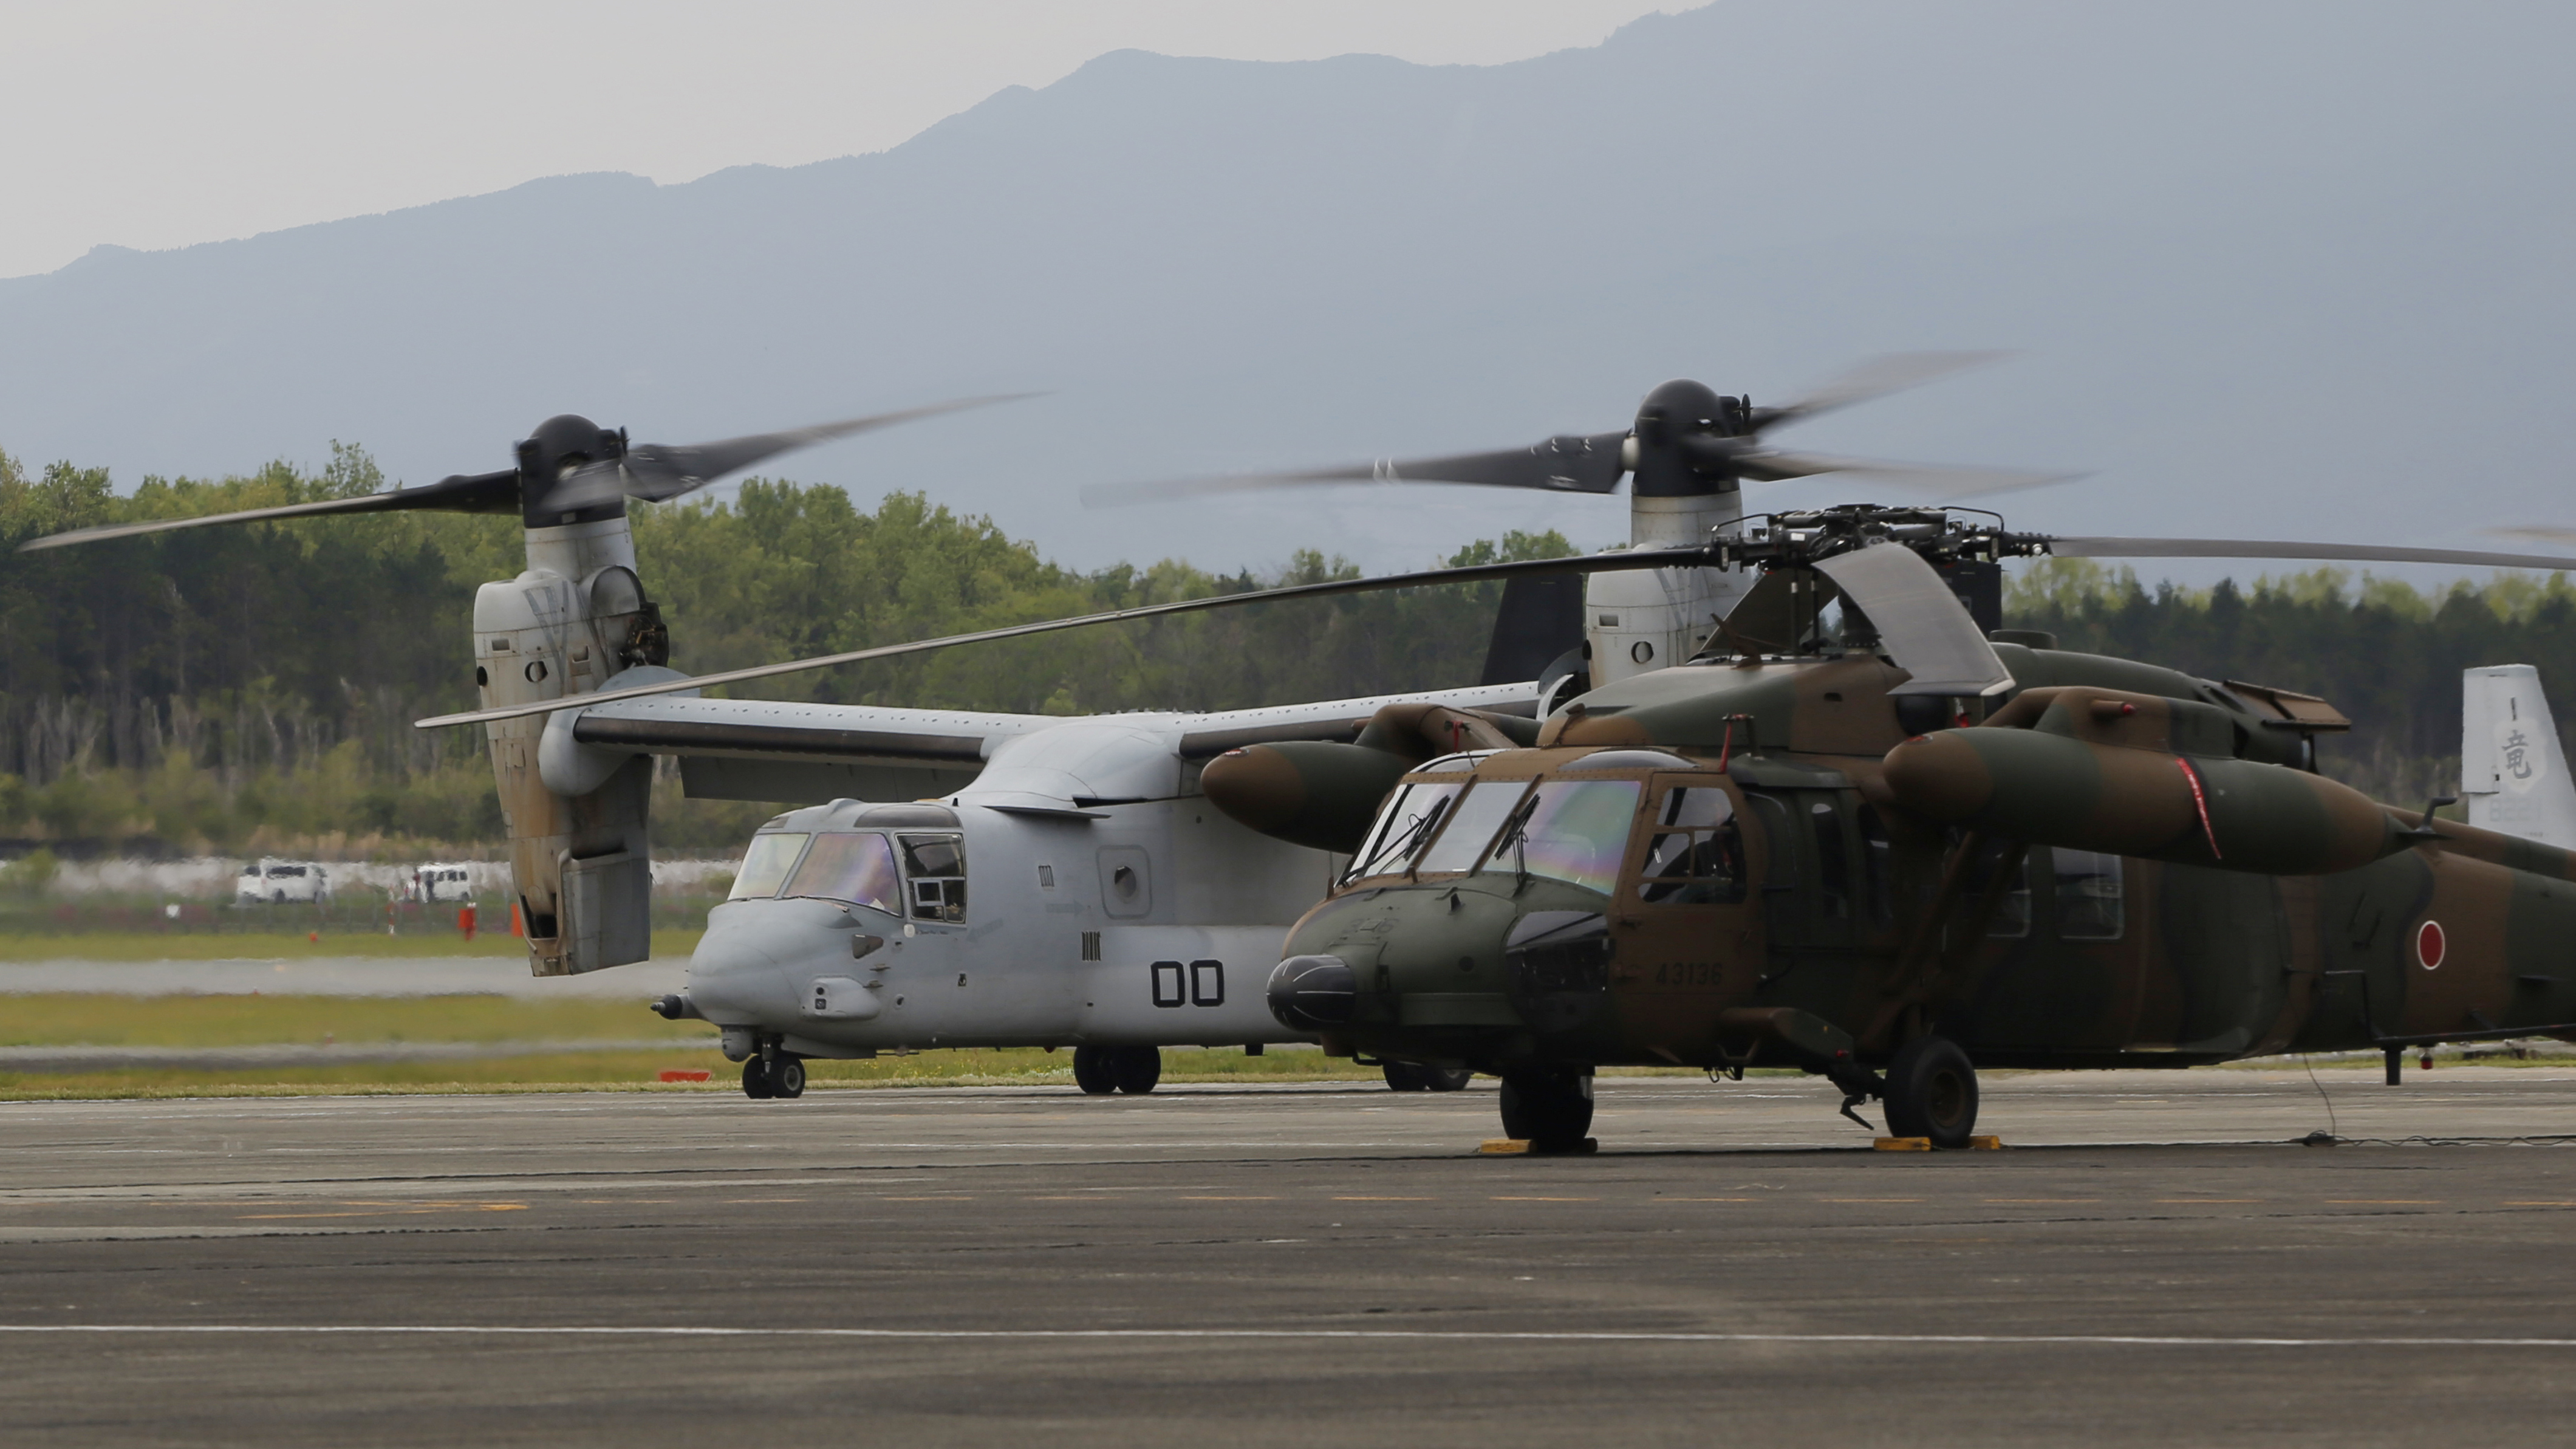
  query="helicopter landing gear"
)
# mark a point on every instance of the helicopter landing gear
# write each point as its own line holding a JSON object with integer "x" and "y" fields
{"x": 1550, "y": 1108}
{"x": 1100, "y": 1071}
{"x": 1415, "y": 1077}
{"x": 1932, "y": 1092}
{"x": 764, "y": 1077}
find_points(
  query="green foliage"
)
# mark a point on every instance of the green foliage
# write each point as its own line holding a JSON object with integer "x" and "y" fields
{"x": 2386, "y": 654}
{"x": 29, "y": 874}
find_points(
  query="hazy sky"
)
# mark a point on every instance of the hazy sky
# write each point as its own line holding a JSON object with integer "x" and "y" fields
{"x": 157, "y": 123}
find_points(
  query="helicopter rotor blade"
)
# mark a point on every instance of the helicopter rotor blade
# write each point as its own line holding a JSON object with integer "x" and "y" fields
{"x": 657, "y": 472}
{"x": 1473, "y": 573}
{"x": 1568, "y": 463}
{"x": 2541, "y": 531}
{"x": 459, "y": 493}
{"x": 1875, "y": 378}
{"x": 2274, "y": 548}
{"x": 1920, "y": 622}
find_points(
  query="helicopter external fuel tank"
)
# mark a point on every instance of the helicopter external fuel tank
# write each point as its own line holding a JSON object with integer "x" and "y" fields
{"x": 2138, "y": 775}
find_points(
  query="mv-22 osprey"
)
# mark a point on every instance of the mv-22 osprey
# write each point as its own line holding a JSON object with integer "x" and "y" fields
{"x": 1113, "y": 910}
{"x": 1887, "y": 853}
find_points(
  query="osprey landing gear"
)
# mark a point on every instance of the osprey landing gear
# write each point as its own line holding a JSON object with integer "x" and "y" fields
{"x": 1100, "y": 1070}
{"x": 773, "y": 1074}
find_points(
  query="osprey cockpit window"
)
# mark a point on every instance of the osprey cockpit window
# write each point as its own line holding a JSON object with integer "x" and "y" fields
{"x": 1696, "y": 855}
{"x": 934, "y": 868}
{"x": 857, "y": 868}
{"x": 765, "y": 865}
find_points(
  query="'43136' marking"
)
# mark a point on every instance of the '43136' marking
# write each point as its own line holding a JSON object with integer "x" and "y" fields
{"x": 1688, "y": 973}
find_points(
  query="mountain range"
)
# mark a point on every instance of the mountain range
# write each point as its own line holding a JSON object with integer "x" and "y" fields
{"x": 2288, "y": 270}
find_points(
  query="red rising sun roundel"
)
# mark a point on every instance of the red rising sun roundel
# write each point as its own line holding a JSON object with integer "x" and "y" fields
{"x": 2430, "y": 944}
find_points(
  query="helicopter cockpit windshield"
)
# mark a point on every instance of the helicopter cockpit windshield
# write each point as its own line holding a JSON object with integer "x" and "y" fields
{"x": 1570, "y": 830}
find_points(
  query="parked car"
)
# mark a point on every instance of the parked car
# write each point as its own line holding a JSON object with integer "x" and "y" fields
{"x": 282, "y": 882}
{"x": 431, "y": 884}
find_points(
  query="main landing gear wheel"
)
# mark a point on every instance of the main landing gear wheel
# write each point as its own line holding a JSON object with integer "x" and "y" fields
{"x": 1091, "y": 1070}
{"x": 787, "y": 1077}
{"x": 1137, "y": 1069}
{"x": 1414, "y": 1077}
{"x": 1550, "y": 1108}
{"x": 1932, "y": 1092}
{"x": 755, "y": 1079}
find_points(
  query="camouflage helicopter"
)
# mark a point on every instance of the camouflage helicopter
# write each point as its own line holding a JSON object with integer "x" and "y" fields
{"x": 1888, "y": 852}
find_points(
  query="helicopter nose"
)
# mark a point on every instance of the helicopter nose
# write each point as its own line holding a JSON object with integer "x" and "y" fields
{"x": 1313, "y": 993}
{"x": 737, "y": 965}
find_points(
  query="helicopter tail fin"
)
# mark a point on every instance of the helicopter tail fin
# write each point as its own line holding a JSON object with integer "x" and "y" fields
{"x": 2513, "y": 773}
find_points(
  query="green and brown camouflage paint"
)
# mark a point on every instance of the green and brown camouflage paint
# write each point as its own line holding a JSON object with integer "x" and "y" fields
{"x": 1887, "y": 894}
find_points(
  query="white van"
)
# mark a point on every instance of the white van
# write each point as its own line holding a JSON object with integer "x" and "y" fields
{"x": 433, "y": 884}
{"x": 282, "y": 882}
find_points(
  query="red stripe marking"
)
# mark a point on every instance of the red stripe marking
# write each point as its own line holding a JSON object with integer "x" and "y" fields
{"x": 2200, "y": 802}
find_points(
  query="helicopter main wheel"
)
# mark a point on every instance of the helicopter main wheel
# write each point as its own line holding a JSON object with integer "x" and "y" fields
{"x": 1932, "y": 1092}
{"x": 787, "y": 1077}
{"x": 1137, "y": 1069}
{"x": 1549, "y": 1108}
{"x": 1093, "y": 1072}
{"x": 755, "y": 1080}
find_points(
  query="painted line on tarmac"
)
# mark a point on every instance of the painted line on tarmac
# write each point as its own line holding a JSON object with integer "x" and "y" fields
{"x": 1970, "y": 1340}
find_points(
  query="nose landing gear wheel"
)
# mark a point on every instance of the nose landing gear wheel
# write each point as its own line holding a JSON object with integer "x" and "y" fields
{"x": 755, "y": 1080}
{"x": 1551, "y": 1108}
{"x": 787, "y": 1078}
{"x": 1932, "y": 1092}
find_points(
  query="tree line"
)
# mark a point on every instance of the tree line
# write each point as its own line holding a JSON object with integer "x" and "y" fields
{"x": 2385, "y": 653}
{"x": 252, "y": 688}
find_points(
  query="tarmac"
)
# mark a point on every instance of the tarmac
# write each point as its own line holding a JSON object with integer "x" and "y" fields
{"x": 2151, "y": 1258}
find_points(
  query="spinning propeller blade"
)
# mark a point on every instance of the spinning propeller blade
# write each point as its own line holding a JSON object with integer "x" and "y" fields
{"x": 652, "y": 471}
{"x": 658, "y": 472}
{"x": 1573, "y": 463}
{"x": 1686, "y": 440}
{"x": 481, "y": 493}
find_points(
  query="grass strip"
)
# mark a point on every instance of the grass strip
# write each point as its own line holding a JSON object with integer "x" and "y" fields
{"x": 281, "y": 946}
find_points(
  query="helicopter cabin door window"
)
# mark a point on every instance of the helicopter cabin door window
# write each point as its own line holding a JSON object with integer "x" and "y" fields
{"x": 934, "y": 870}
{"x": 2090, "y": 906}
{"x": 1695, "y": 852}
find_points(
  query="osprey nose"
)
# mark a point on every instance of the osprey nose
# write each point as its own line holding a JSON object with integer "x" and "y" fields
{"x": 1313, "y": 993}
